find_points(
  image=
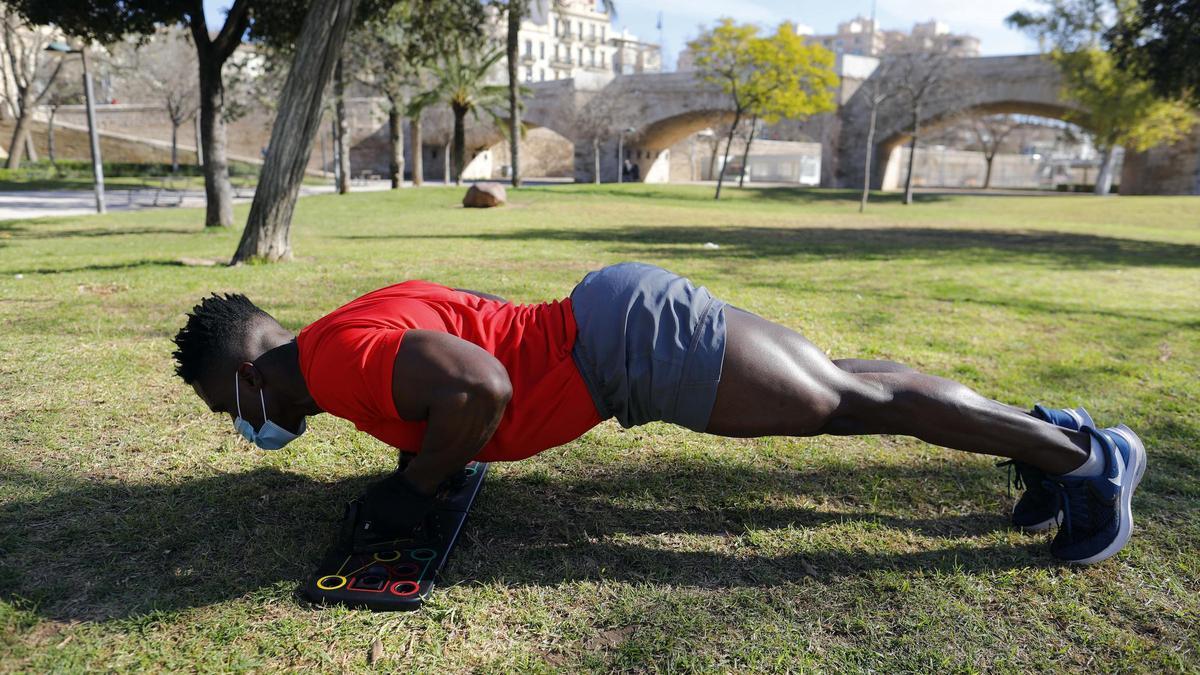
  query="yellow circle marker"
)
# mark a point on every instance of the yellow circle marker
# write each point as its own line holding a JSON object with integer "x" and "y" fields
{"x": 395, "y": 555}
{"x": 331, "y": 582}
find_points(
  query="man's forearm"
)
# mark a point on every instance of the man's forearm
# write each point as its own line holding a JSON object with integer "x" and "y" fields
{"x": 456, "y": 430}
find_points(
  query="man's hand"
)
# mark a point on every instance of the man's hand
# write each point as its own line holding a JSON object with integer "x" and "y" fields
{"x": 459, "y": 389}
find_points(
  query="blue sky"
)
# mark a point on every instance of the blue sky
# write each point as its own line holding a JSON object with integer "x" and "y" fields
{"x": 682, "y": 18}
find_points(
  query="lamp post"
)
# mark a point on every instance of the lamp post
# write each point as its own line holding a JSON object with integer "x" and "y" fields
{"x": 97, "y": 166}
{"x": 621, "y": 153}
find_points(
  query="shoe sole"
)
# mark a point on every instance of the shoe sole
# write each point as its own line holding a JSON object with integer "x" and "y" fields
{"x": 1137, "y": 463}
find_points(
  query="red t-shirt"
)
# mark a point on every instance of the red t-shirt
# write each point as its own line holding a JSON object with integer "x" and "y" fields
{"x": 347, "y": 356}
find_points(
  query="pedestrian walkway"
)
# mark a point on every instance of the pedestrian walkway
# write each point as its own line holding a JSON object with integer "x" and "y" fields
{"x": 43, "y": 203}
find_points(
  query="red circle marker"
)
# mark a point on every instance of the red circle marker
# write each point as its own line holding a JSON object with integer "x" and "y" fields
{"x": 405, "y": 588}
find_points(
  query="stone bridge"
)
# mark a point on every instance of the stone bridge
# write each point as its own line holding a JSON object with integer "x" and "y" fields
{"x": 671, "y": 106}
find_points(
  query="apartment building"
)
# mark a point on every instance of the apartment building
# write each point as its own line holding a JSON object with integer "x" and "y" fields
{"x": 574, "y": 37}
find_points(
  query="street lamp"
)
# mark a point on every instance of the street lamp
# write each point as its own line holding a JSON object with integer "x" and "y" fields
{"x": 621, "y": 153}
{"x": 97, "y": 166}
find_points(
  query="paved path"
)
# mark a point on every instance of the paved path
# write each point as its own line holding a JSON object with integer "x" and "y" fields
{"x": 41, "y": 203}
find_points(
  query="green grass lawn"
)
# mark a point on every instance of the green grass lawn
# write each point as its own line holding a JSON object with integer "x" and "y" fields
{"x": 139, "y": 532}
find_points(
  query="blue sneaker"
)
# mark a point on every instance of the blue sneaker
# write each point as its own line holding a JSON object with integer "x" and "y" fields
{"x": 1037, "y": 509}
{"x": 1097, "y": 512}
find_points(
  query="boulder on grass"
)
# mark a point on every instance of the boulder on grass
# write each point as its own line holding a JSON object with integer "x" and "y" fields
{"x": 485, "y": 195}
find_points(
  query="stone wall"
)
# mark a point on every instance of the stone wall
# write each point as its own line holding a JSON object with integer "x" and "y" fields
{"x": 1166, "y": 170}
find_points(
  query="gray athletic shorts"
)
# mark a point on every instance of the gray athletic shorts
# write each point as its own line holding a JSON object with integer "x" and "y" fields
{"x": 650, "y": 345}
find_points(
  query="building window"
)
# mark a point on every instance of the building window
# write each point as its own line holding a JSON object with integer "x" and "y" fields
{"x": 542, "y": 73}
{"x": 581, "y": 56}
{"x": 593, "y": 31}
{"x": 603, "y": 59}
{"x": 580, "y": 30}
{"x": 529, "y": 73}
{"x": 529, "y": 48}
{"x": 592, "y": 56}
{"x": 541, "y": 50}
{"x": 602, "y": 33}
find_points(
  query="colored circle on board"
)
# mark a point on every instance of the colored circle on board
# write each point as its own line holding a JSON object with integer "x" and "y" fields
{"x": 405, "y": 588}
{"x": 405, "y": 569}
{"x": 331, "y": 582}
{"x": 387, "y": 556}
{"x": 423, "y": 554}
{"x": 470, "y": 470}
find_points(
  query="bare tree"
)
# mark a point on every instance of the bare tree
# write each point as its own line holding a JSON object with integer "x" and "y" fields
{"x": 162, "y": 67}
{"x": 66, "y": 90}
{"x": 922, "y": 80}
{"x": 601, "y": 118}
{"x": 991, "y": 131}
{"x": 876, "y": 91}
{"x": 32, "y": 72}
{"x": 341, "y": 126}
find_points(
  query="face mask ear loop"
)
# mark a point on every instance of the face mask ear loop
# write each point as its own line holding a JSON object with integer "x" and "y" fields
{"x": 263, "y": 400}
{"x": 237, "y": 393}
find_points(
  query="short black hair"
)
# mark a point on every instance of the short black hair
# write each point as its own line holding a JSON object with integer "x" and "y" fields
{"x": 216, "y": 331}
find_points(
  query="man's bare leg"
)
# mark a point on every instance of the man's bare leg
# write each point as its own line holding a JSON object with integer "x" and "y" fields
{"x": 774, "y": 382}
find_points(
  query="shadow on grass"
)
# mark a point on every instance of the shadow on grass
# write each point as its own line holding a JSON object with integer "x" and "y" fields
{"x": 109, "y": 550}
{"x": 132, "y": 264}
{"x": 965, "y": 246}
{"x": 798, "y": 196}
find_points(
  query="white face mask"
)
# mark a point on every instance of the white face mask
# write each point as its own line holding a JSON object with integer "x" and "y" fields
{"x": 271, "y": 436}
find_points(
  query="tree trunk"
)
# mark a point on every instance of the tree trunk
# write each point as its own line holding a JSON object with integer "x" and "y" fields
{"x": 199, "y": 145}
{"x": 866, "y": 191}
{"x": 712, "y": 158}
{"x": 516, "y": 9}
{"x": 337, "y": 153}
{"x": 987, "y": 176}
{"x": 418, "y": 147}
{"x": 912, "y": 157}
{"x": 396, "y": 138}
{"x": 343, "y": 127}
{"x": 218, "y": 193}
{"x": 446, "y": 164}
{"x": 174, "y": 147}
{"x": 297, "y": 123}
{"x": 737, "y": 118}
{"x": 746, "y": 152}
{"x": 596, "y": 160}
{"x": 16, "y": 148}
{"x": 460, "y": 143}
{"x": 50, "y": 139}
{"x": 30, "y": 150}
{"x": 1105, "y": 177}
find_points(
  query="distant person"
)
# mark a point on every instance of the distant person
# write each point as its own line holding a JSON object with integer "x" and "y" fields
{"x": 627, "y": 169}
{"x": 452, "y": 375}
{"x": 635, "y": 173}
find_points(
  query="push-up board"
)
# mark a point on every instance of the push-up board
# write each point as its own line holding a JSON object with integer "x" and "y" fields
{"x": 400, "y": 573}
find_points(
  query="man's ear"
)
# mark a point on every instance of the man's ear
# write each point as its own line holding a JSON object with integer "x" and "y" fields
{"x": 249, "y": 376}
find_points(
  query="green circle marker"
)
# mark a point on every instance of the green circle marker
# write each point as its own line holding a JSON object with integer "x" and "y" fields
{"x": 423, "y": 554}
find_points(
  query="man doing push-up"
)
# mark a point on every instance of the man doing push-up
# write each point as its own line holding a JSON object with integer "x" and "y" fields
{"x": 454, "y": 375}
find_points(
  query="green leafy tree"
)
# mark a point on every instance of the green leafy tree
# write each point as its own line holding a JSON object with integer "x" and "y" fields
{"x": 788, "y": 79}
{"x": 1161, "y": 38}
{"x": 1120, "y": 106}
{"x": 463, "y": 83}
{"x": 723, "y": 58}
{"x": 765, "y": 78}
{"x": 394, "y": 53}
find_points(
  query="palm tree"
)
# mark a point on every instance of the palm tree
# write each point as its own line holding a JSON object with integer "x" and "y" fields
{"x": 517, "y": 10}
{"x": 462, "y": 80}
